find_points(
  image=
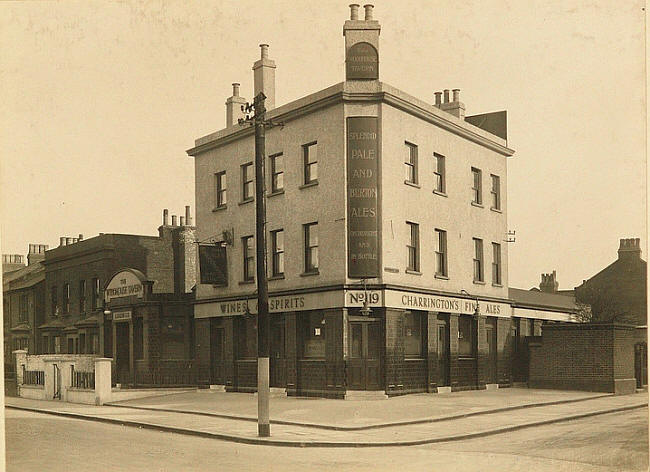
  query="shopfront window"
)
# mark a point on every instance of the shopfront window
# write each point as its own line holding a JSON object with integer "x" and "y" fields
{"x": 313, "y": 333}
{"x": 246, "y": 338}
{"x": 414, "y": 329}
{"x": 466, "y": 336}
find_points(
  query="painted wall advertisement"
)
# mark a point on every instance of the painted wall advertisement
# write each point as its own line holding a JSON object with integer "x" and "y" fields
{"x": 362, "y": 220}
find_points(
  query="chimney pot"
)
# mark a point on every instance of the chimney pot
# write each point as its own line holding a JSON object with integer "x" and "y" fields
{"x": 354, "y": 11}
{"x": 165, "y": 217}
{"x": 446, "y": 95}
{"x": 188, "y": 217}
{"x": 182, "y": 220}
{"x": 456, "y": 93}
{"x": 81, "y": 237}
{"x": 265, "y": 51}
{"x": 368, "y": 7}
{"x": 173, "y": 220}
{"x": 61, "y": 241}
{"x": 235, "y": 89}
{"x": 438, "y": 98}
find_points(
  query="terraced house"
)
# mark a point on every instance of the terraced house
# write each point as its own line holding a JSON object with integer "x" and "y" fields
{"x": 387, "y": 240}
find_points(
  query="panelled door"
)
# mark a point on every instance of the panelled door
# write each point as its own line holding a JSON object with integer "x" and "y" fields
{"x": 365, "y": 341}
{"x": 491, "y": 332}
{"x": 443, "y": 352}
{"x": 278, "y": 361}
{"x": 216, "y": 354}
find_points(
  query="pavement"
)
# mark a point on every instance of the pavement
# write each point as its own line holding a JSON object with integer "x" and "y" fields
{"x": 306, "y": 422}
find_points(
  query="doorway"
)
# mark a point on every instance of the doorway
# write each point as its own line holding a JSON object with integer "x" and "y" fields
{"x": 491, "y": 333}
{"x": 443, "y": 351}
{"x": 277, "y": 362}
{"x": 122, "y": 357}
{"x": 216, "y": 353}
{"x": 641, "y": 364}
{"x": 365, "y": 341}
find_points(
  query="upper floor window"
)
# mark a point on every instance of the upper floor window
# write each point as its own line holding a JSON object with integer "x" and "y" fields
{"x": 221, "y": 188}
{"x": 96, "y": 293}
{"x": 496, "y": 192}
{"x": 478, "y": 260}
{"x": 311, "y": 247}
{"x": 66, "y": 298}
{"x": 277, "y": 249}
{"x": 55, "y": 301}
{"x": 441, "y": 252}
{"x": 411, "y": 163}
{"x": 24, "y": 307}
{"x": 440, "y": 184}
{"x": 247, "y": 182}
{"x": 277, "y": 172}
{"x": 477, "y": 191}
{"x": 82, "y": 296}
{"x": 248, "y": 258}
{"x": 496, "y": 264}
{"x": 413, "y": 247}
{"x": 310, "y": 162}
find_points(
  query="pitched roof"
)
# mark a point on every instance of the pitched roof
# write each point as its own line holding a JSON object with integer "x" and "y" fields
{"x": 538, "y": 299}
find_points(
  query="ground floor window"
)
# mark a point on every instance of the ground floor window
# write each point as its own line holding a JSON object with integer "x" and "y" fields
{"x": 312, "y": 329}
{"x": 247, "y": 338}
{"x": 21, "y": 343}
{"x": 82, "y": 344}
{"x": 71, "y": 346}
{"x": 137, "y": 338}
{"x": 466, "y": 336}
{"x": 172, "y": 339}
{"x": 414, "y": 334}
{"x": 94, "y": 339}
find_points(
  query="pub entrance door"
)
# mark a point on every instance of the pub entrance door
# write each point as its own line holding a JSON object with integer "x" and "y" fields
{"x": 443, "y": 351}
{"x": 122, "y": 357}
{"x": 491, "y": 332}
{"x": 216, "y": 354}
{"x": 365, "y": 341}
{"x": 277, "y": 361}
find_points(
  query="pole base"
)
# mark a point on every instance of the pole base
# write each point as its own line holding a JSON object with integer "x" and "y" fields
{"x": 264, "y": 430}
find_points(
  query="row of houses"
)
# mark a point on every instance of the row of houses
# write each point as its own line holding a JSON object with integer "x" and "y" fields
{"x": 387, "y": 255}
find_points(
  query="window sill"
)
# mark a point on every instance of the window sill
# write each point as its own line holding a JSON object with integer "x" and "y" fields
{"x": 248, "y": 200}
{"x": 219, "y": 208}
{"x": 247, "y": 282}
{"x": 391, "y": 270}
{"x": 313, "y": 183}
{"x": 414, "y": 359}
{"x": 479, "y": 282}
{"x": 276, "y": 277}
{"x": 496, "y": 210}
{"x": 466, "y": 358}
{"x": 477, "y": 205}
{"x": 442, "y": 194}
{"x": 497, "y": 285}
{"x": 413, "y": 272}
{"x": 412, "y": 184}
{"x": 307, "y": 274}
{"x": 276, "y": 192}
{"x": 441, "y": 277}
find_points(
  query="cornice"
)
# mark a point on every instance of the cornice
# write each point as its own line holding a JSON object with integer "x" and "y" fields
{"x": 339, "y": 96}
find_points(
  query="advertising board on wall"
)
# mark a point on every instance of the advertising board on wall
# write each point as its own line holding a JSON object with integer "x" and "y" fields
{"x": 362, "y": 187}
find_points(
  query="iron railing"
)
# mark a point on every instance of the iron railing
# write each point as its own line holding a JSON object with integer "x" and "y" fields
{"x": 83, "y": 379}
{"x": 33, "y": 377}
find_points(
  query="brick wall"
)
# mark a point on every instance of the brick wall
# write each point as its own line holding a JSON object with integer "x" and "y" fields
{"x": 592, "y": 357}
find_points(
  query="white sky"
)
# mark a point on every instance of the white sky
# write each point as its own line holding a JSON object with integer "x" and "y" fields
{"x": 100, "y": 101}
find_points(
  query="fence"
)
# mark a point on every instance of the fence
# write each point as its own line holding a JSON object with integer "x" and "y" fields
{"x": 33, "y": 377}
{"x": 82, "y": 379}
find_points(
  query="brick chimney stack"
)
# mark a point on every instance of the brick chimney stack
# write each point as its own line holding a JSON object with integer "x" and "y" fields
{"x": 629, "y": 248}
{"x": 549, "y": 284}
{"x": 454, "y": 107}
{"x": 36, "y": 253}
{"x": 361, "y": 44}
{"x": 264, "y": 77}
{"x": 233, "y": 106}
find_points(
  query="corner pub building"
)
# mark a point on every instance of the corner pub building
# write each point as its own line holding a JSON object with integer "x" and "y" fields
{"x": 386, "y": 221}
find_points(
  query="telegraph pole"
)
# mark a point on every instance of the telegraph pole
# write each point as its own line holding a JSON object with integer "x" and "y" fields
{"x": 260, "y": 123}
